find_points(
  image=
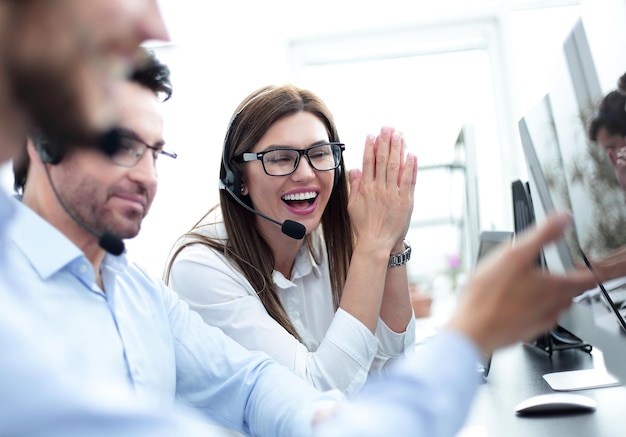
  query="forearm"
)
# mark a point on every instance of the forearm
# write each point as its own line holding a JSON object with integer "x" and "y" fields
{"x": 363, "y": 291}
{"x": 395, "y": 309}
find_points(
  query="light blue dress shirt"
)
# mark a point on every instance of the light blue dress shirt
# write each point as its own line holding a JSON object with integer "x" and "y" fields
{"x": 427, "y": 396}
{"x": 61, "y": 377}
{"x": 39, "y": 397}
{"x": 140, "y": 338}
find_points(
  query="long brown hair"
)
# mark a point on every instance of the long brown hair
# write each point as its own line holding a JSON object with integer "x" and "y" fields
{"x": 245, "y": 247}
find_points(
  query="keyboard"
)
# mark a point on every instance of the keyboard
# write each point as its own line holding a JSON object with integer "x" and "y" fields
{"x": 618, "y": 294}
{"x": 616, "y": 289}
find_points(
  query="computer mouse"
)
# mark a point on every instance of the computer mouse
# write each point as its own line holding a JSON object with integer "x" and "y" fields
{"x": 555, "y": 403}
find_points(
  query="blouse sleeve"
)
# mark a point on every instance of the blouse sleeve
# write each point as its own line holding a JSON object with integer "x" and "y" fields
{"x": 215, "y": 289}
{"x": 392, "y": 345}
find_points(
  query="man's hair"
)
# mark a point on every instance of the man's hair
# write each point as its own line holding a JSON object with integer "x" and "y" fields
{"x": 611, "y": 116}
{"x": 149, "y": 73}
{"x": 621, "y": 84}
{"x": 153, "y": 75}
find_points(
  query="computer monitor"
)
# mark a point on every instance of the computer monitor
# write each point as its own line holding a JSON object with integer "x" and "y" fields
{"x": 587, "y": 319}
{"x": 598, "y": 202}
{"x": 558, "y": 338}
{"x": 562, "y": 167}
{"x": 488, "y": 241}
{"x": 547, "y": 179}
{"x": 523, "y": 211}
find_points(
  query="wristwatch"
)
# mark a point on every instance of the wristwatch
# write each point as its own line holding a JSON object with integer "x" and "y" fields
{"x": 400, "y": 259}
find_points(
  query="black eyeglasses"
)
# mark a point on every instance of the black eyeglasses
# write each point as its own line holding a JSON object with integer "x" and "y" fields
{"x": 284, "y": 161}
{"x": 130, "y": 149}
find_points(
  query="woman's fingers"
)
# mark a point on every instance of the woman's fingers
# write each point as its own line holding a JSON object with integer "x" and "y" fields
{"x": 369, "y": 158}
{"x": 355, "y": 176}
{"x": 382, "y": 199}
{"x": 382, "y": 153}
{"x": 384, "y": 159}
{"x": 408, "y": 177}
{"x": 394, "y": 158}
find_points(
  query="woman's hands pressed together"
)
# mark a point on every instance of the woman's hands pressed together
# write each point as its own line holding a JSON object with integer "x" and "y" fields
{"x": 380, "y": 207}
{"x": 381, "y": 195}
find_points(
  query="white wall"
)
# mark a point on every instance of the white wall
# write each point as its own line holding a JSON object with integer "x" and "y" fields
{"x": 223, "y": 53}
{"x": 223, "y": 50}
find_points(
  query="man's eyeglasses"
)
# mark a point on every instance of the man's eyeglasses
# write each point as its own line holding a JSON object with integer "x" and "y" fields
{"x": 284, "y": 161}
{"x": 129, "y": 149}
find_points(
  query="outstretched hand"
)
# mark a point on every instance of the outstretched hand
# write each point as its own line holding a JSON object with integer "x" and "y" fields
{"x": 612, "y": 266}
{"x": 510, "y": 299}
{"x": 381, "y": 195}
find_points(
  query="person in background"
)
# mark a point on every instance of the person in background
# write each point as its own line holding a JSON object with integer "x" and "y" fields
{"x": 333, "y": 303}
{"x": 608, "y": 129}
{"x": 621, "y": 84}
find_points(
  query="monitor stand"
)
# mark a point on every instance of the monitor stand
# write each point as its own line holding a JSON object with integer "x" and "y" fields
{"x": 559, "y": 339}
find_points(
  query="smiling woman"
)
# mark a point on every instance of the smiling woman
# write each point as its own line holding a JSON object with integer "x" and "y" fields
{"x": 332, "y": 306}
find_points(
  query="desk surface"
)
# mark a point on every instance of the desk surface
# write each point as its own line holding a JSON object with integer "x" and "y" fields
{"x": 517, "y": 373}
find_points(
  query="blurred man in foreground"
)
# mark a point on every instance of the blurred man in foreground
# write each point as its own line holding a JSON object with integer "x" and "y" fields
{"x": 60, "y": 61}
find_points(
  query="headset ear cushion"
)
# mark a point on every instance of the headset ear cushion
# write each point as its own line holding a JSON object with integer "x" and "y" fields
{"x": 236, "y": 182}
{"x": 111, "y": 142}
{"x": 232, "y": 179}
{"x": 43, "y": 146}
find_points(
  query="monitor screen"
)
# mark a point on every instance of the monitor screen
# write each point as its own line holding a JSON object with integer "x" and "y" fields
{"x": 545, "y": 166}
{"x": 570, "y": 173}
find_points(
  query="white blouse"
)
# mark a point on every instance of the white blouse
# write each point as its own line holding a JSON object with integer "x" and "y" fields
{"x": 337, "y": 350}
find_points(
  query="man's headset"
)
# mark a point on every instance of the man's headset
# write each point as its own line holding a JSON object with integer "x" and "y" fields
{"x": 53, "y": 153}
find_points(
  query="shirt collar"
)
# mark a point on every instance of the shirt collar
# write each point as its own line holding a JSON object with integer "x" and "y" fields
{"x": 115, "y": 262}
{"x": 45, "y": 246}
{"x": 7, "y": 211}
{"x": 304, "y": 265}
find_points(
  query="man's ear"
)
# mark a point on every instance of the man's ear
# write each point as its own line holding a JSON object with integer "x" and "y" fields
{"x": 32, "y": 150}
{"x": 26, "y": 155}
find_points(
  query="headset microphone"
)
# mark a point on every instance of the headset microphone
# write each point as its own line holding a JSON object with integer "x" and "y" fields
{"x": 110, "y": 242}
{"x": 290, "y": 228}
{"x": 107, "y": 241}
{"x": 231, "y": 182}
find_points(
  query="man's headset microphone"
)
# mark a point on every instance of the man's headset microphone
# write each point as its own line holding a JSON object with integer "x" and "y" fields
{"x": 53, "y": 154}
{"x": 110, "y": 142}
{"x": 231, "y": 181}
